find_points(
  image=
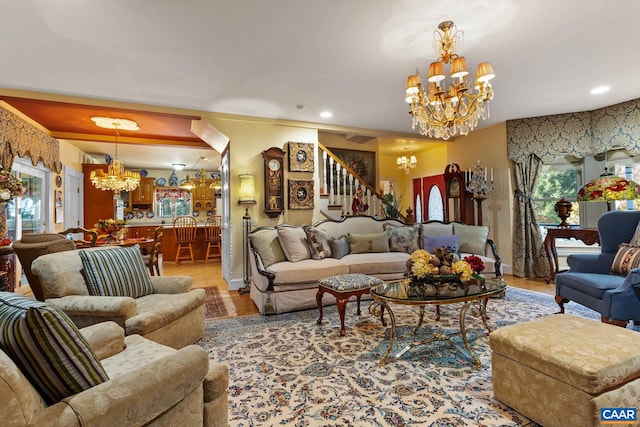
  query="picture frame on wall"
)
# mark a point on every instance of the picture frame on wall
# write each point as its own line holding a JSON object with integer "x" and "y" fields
{"x": 301, "y": 157}
{"x": 362, "y": 163}
{"x": 300, "y": 194}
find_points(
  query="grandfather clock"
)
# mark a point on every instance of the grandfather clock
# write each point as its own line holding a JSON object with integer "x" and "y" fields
{"x": 458, "y": 202}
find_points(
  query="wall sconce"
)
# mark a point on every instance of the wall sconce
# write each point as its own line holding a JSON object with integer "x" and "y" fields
{"x": 247, "y": 191}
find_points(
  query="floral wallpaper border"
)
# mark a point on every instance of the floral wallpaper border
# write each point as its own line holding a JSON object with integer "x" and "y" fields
{"x": 20, "y": 138}
{"x": 578, "y": 134}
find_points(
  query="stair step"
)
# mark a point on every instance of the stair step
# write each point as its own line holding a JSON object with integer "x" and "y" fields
{"x": 334, "y": 207}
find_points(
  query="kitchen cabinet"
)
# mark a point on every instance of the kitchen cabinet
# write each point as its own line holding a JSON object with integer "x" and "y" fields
{"x": 204, "y": 197}
{"x": 143, "y": 195}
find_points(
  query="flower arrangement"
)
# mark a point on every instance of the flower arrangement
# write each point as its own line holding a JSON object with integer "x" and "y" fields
{"x": 110, "y": 225}
{"x": 443, "y": 272}
{"x": 10, "y": 186}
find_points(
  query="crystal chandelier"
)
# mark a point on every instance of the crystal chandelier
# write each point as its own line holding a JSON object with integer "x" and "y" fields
{"x": 116, "y": 178}
{"x": 407, "y": 163}
{"x": 442, "y": 111}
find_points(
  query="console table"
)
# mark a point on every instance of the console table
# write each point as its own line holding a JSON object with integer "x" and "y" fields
{"x": 589, "y": 236}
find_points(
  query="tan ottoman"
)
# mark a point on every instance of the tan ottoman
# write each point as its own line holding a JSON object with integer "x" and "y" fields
{"x": 560, "y": 370}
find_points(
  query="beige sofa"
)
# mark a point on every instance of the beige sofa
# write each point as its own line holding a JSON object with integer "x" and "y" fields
{"x": 172, "y": 315}
{"x": 149, "y": 384}
{"x": 286, "y": 267}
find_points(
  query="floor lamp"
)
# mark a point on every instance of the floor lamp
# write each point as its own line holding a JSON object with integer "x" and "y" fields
{"x": 247, "y": 197}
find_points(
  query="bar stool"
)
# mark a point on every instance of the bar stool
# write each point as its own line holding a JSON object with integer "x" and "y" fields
{"x": 212, "y": 228}
{"x": 184, "y": 228}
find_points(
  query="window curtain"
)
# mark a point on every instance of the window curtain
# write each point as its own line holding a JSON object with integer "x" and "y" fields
{"x": 529, "y": 257}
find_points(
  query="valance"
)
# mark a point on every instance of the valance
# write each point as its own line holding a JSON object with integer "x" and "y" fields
{"x": 577, "y": 134}
{"x": 20, "y": 138}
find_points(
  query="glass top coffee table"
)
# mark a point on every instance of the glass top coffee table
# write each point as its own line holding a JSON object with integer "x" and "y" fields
{"x": 400, "y": 292}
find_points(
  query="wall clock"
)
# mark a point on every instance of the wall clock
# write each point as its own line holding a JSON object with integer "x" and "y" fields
{"x": 273, "y": 181}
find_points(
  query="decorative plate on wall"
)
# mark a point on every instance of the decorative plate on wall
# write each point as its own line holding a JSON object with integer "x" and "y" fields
{"x": 128, "y": 215}
{"x": 139, "y": 214}
{"x": 143, "y": 173}
{"x": 59, "y": 181}
{"x": 161, "y": 182}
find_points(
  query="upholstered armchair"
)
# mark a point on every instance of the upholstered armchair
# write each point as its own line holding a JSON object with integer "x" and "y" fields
{"x": 590, "y": 280}
{"x": 140, "y": 383}
{"x": 102, "y": 284}
{"x": 33, "y": 245}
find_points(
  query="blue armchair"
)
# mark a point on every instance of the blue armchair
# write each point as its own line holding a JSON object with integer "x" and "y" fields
{"x": 589, "y": 282}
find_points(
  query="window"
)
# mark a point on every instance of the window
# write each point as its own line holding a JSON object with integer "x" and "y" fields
{"x": 557, "y": 181}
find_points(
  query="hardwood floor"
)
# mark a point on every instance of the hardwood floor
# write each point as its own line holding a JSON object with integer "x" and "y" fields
{"x": 210, "y": 274}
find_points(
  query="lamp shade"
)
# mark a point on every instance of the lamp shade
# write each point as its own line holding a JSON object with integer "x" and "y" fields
{"x": 247, "y": 189}
{"x": 436, "y": 72}
{"x": 459, "y": 67}
{"x": 608, "y": 187}
{"x": 485, "y": 72}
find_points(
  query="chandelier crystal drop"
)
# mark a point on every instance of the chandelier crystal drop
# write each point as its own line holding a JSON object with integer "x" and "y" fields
{"x": 116, "y": 178}
{"x": 440, "y": 111}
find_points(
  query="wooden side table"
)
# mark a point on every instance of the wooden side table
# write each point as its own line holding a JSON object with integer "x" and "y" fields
{"x": 589, "y": 236}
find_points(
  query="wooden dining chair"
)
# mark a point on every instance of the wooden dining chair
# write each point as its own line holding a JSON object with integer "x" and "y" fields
{"x": 184, "y": 228}
{"x": 152, "y": 259}
{"x": 212, "y": 229}
{"x": 89, "y": 237}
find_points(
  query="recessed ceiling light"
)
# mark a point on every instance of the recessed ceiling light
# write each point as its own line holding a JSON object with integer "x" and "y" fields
{"x": 600, "y": 89}
{"x": 326, "y": 114}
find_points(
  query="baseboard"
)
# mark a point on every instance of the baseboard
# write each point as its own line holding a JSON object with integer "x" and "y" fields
{"x": 235, "y": 284}
{"x": 507, "y": 269}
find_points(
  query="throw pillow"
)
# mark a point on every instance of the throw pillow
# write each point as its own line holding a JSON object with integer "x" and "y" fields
{"x": 318, "y": 242}
{"x": 47, "y": 347}
{"x": 365, "y": 243}
{"x": 116, "y": 272}
{"x": 429, "y": 243}
{"x": 627, "y": 258}
{"x": 437, "y": 228}
{"x": 294, "y": 242}
{"x": 403, "y": 238}
{"x": 265, "y": 242}
{"x": 635, "y": 240}
{"x": 339, "y": 246}
{"x": 472, "y": 239}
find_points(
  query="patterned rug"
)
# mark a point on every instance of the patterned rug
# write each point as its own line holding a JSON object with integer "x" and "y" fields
{"x": 287, "y": 370}
{"x": 218, "y": 304}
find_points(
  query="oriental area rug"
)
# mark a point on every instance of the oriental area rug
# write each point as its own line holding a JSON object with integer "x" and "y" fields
{"x": 285, "y": 370}
{"x": 218, "y": 304}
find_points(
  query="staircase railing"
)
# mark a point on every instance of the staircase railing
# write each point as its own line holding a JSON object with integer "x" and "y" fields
{"x": 340, "y": 184}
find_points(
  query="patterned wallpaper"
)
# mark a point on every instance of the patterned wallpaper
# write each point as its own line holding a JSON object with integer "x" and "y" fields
{"x": 578, "y": 134}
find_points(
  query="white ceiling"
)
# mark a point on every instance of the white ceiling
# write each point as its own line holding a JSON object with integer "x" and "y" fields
{"x": 267, "y": 58}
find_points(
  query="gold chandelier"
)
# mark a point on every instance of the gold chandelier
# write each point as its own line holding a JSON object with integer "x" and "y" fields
{"x": 443, "y": 111}
{"x": 116, "y": 178}
{"x": 190, "y": 184}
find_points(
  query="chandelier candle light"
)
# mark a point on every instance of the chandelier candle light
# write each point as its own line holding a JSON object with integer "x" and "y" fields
{"x": 441, "y": 111}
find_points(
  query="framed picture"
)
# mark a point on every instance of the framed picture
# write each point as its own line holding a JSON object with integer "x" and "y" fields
{"x": 300, "y": 194}
{"x": 301, "y": 157}
{"x": 361, "y": 162}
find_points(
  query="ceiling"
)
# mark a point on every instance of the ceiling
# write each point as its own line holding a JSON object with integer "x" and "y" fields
{"x": 292, "y": 59}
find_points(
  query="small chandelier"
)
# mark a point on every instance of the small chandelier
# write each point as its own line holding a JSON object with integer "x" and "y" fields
{"x": 442, "y": 111}
{"x": 407, "y": 163}
{"x": 116, "y": 178}
{"x": 190, "y": 184}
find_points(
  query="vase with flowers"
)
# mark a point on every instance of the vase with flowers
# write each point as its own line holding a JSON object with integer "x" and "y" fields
{"x": 109, "y": 228}
{"x": 443, "y": 274}
{"x": 10, "y": 188}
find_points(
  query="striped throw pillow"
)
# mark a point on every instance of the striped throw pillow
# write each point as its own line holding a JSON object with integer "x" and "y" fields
{"x": 116, "y": 272}
{"x": 627, "y": 258}
{"x": 47, "y": 347}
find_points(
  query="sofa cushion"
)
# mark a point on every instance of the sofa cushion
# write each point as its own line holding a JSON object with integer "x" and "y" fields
{"x": 339, "y": 246}
{"x": 294, "y": 242}
{"x": 592, "y": 284}
{"x": 366, "y": 243}
{"x": 471, "y": 238}
{"x": 429, "y": 243}
{"x": 350, "y": 282}
{"x": 318, "y": 242}
{"x": 48, "y": 348}
{"x": 627, "y": 257}
{"x": 306, "y": 271}
{"x": 403, "y": 238}
{"x": 377, "y": 263}
{"x": 116, "y": 272}
{"x": 266, "y": 244}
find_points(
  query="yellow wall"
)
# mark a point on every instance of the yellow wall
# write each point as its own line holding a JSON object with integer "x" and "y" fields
{"x": 490, "y": 147}
{"x": 247, "y": 142}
